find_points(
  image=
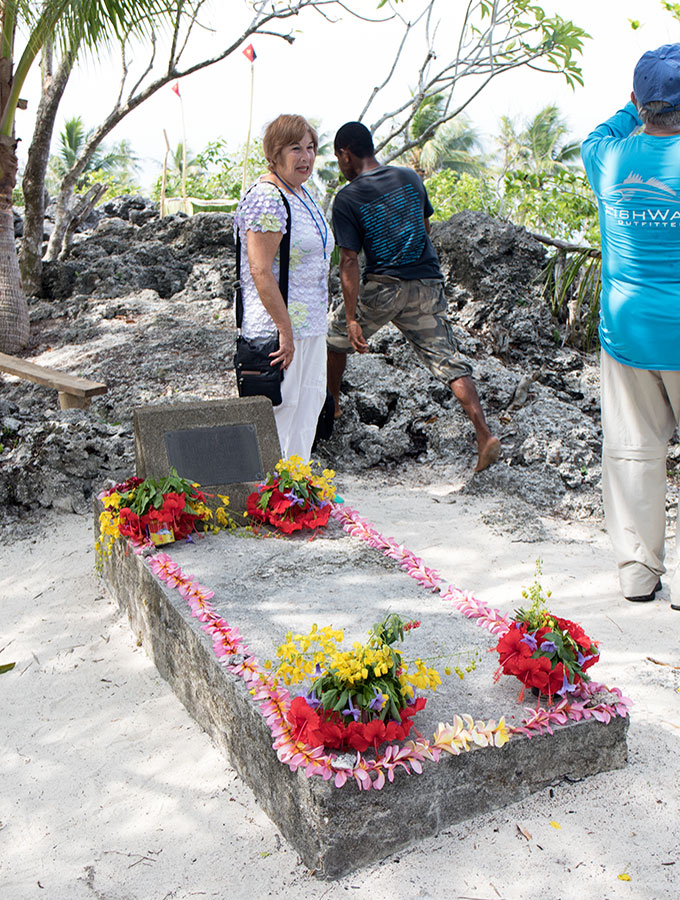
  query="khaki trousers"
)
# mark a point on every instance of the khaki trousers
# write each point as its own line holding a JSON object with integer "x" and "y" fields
{"x": 640, "y": 411}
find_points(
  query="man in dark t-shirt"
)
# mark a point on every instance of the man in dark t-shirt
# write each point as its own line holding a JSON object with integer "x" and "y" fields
{"x": 385, "y": 211}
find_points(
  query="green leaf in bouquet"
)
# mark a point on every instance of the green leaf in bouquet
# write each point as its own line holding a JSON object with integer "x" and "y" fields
{"x": 328, "y": 698}
{"x": 342, "y": 701}
{"x": 265, "y": 497}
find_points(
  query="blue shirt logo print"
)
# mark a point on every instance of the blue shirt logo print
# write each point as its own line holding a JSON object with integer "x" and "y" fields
{"x": 394, "y": 227}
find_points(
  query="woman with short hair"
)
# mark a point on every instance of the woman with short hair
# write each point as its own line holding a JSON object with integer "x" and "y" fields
{"x": 290, "y": 145}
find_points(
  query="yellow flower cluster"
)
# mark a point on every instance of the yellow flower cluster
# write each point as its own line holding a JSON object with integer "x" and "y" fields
{"x": 460, "y": 671}
{"x": 108, "y": 526}
{"x": 299, "y": 470}
{"x": 217, "y": 521}
{"x": 108, "y": 532}
{"x": 422, "y": 678}
{"x": 113, "y": 500}
{"x": 359, "y": 663}
{"x": 301, "y": 653}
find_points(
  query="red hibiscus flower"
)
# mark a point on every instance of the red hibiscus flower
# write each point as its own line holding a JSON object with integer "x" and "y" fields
{"x": 328, "y": 728}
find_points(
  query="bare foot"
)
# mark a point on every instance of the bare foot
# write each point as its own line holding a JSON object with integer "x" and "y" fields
{"x": 338, "y": 411}
{"x": 488, "y": 454}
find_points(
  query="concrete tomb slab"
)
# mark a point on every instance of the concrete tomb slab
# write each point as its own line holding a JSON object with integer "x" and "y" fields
{"x": 267, "y": 587}
{"x": 227, "y": 446}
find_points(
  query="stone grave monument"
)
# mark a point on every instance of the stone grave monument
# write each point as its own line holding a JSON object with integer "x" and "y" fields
{"x": 227, "y": 446}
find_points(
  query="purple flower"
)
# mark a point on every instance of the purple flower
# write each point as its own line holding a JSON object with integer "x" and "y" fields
{"x": 312, "y": 700}
{"x": 377, "y": 702}
{"x": 566, "y": 687}
{"x": 352, "y": 711}
{"x": 529, "y": 640}
{"x": 548, "y": 647}
{"x": 581, "y": 659}
{"x": 293, "y": 497}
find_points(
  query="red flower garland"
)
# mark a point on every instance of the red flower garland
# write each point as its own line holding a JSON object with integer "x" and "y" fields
{"x": 174, "y": 513}
{"x": 284, "y": 513}
{"x": 327, "y": 729}
{"x": 518, "y": 658}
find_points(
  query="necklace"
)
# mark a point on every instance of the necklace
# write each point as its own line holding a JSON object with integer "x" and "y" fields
{"x": 320, "y": 222}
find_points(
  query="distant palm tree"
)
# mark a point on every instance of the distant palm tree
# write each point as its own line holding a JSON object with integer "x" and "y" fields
{"x": 540, "y": 146}
{"x": 175, "y": 162}
{"x": 450, "y": 146}
{"x": 120, "y": 161}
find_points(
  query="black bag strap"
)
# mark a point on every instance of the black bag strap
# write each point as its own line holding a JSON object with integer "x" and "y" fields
{"x": 284, "y": 260}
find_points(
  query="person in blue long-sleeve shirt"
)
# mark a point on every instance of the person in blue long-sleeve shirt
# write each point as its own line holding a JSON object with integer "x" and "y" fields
{"x": 635, "y": 175}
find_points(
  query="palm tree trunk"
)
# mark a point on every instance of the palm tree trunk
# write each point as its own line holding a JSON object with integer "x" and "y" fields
{"x": 13, "y": 306}
{"x": 33, "y": 182}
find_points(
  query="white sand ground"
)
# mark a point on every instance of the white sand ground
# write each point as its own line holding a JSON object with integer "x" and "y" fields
{"x": 109, "y": 790}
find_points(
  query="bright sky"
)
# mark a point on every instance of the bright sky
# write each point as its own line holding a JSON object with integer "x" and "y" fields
{"x": 328, "y": 72}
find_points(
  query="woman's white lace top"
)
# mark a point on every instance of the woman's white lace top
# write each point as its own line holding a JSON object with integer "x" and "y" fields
{"x": 262, "y": 209}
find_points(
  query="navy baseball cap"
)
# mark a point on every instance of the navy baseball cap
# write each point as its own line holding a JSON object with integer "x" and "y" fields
{"x": 657, "y": 76}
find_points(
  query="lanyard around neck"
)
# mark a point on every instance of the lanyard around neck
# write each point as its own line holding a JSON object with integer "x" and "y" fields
{"x": 322, "y": 234}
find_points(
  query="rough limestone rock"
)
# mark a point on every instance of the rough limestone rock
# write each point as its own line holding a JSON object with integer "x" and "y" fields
{"x": 132, "y": 249}
{"x": 492, "y": 271}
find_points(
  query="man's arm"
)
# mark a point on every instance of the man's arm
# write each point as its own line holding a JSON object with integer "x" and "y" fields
{"x": 621, "y": 125}
{"x": 349, "y": 280}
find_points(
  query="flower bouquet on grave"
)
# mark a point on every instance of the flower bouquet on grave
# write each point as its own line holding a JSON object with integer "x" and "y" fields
{"x": 358, "y": 698}
{"x": 153, "y": 513}
{"x": 294, "y": 497}
{"x": 547, "y": 653}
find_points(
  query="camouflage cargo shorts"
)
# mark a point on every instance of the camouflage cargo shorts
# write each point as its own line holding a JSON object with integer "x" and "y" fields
{"x": 418, "y": 309}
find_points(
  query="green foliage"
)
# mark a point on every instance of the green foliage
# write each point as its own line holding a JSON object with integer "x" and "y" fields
{"x": 559, "y": 203}
{"x": 150, "y": 492}
{"x": 453, "y": 145}
{"x": 9, "y": 439}
{"x": 69, "y": 25}
{"x": 117, "y": 185}
{"x": 535, "y": 617}
{"x": 450, "y": 193}
{"x": 555, "y": 40}
{"x": 115, "y": 166}
{"x": 215, "y": 172}
{"x": 538, "y": 145}
{"x": 17, "y": 196}
{"x": 573, "y": 286}
{"x": 672, "y": 8}
{"x": 533, "y": 183}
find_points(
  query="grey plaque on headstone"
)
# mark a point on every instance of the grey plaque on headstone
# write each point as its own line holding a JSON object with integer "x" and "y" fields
{"x": 227, "y": 446}
{"x": 218, "y": 455}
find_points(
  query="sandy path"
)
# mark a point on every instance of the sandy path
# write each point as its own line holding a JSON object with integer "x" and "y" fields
{"x": 109, "y": 790}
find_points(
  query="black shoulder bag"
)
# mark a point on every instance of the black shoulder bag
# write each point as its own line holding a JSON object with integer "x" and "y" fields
{"x": 255, "y": 375}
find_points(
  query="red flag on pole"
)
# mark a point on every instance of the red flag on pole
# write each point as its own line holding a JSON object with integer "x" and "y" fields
{"x": 175, "y": 88}
{"x": 249, "y": 53}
